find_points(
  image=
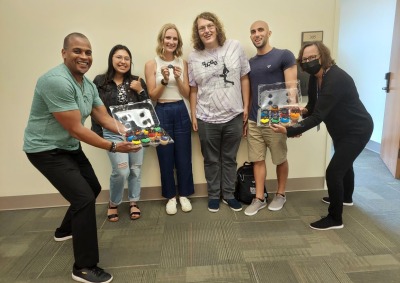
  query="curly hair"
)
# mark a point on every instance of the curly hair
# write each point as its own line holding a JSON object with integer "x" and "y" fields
{"x": 196, "y": 40}
{"x": 160, "y": 41}
{"x": 326, "y": 59}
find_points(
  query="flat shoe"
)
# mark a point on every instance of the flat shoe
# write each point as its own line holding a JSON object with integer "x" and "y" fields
{"x": 112, "y": 217}
{"x": 134, "y": 214}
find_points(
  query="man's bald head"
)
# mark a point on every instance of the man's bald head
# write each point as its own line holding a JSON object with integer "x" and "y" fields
{"x": 259, "y": 35}
{"x": 260, "y": 23}
{"x": 70, "y": 36}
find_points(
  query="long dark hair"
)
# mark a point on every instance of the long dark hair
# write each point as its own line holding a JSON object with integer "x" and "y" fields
{"x": 109, "y": 75}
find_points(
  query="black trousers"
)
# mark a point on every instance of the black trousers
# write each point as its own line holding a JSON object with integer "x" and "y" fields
{"x": 340, "y": 173}
{"x": 71, "y": 173}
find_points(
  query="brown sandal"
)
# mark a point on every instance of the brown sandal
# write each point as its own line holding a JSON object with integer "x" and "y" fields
{"x": 112, "y": 217}
{"x": 134, "y": 214}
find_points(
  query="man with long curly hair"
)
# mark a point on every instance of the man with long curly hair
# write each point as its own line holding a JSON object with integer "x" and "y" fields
{"x": 219, "y": 100}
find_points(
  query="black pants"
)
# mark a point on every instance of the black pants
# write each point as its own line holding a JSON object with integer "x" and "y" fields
{"x": 340, "y": 173}
{"x": 71, "y": 173}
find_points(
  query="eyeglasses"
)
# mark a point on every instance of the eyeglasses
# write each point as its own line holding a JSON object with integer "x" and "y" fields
{"x": 309, "y": 58}
{"x": 203, "y": 28}
{"x": 122, "y": 58}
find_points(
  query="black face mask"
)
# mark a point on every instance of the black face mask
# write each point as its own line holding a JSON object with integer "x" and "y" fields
{"x": 311, "y": 67}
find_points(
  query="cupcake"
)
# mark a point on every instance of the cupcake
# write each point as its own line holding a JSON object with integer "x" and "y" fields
{"x": 136, "y": 141}
{"x": 145, "y": 142}
{"x": 264, "y": 119}
{"x": 129, "y": 133}
{"x": 284, "y": 117}
{"x": 164, "y": 140}
{"x": 295, "y": 114}
{"x": 131, "y": 138}
{"x": 152, "y": 136}
{"x": 274, "y": 114}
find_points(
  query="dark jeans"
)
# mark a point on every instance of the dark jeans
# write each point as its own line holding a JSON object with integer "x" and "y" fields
{"x": 219, "y": 146}
{"x": 71, "y": 173}
{"x": 174, "y": 119}
{"x": 340, "y": 173}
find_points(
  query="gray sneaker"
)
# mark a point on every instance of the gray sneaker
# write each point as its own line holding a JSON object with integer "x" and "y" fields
{"x": 255, "y": 206}
{"x": 277, "y": 203}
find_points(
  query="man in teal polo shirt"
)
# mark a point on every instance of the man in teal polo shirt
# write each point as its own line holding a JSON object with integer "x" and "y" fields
{"x": 62, "y": 101}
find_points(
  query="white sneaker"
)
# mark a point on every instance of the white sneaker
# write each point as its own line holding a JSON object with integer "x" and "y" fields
{"x": 170, "y": 208}
{"x": 185, "y": 203}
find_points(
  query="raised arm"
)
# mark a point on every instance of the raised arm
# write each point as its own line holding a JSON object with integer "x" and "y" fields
{"x": 155, "y": 91}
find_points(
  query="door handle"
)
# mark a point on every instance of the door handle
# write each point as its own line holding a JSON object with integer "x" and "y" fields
{"x": 387, "y": 78}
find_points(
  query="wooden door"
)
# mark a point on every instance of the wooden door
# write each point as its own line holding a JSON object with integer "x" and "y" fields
{"x": 390, "y": 144}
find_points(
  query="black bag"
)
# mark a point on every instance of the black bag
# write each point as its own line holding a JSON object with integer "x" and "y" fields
{"x": 245, "y": 189}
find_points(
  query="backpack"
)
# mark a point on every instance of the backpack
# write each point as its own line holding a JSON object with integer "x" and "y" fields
{"x": 245, "y": 188}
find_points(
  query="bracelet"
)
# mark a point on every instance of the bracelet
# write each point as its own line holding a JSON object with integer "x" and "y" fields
{"x": 164, "y": 83}
{"x": 113, "y": 147}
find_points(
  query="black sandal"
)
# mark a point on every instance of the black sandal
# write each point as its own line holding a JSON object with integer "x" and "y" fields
{"x": 134, "y": 214}
{"x": 113, "y": 217}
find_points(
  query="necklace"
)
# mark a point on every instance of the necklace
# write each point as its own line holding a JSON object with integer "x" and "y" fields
{"x": 122, "y": 96}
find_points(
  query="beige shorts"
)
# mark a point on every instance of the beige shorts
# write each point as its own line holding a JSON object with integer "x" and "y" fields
{"x": 261, "y": 138}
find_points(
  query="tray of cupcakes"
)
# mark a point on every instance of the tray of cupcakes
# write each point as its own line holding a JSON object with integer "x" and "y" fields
{"x": 279, "y": 103}
{"x": 141, "y": 123}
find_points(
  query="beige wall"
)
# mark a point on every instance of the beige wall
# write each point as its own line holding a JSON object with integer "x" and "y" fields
{"x": 32, "y": 32}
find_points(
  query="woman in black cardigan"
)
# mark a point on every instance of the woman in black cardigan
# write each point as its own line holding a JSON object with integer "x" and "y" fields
{"x": 334, "y": 100}
{"x": 119, "y": 87}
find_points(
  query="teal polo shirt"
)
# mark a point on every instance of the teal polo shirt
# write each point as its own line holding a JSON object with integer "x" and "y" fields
{"x": 57, "y": 91}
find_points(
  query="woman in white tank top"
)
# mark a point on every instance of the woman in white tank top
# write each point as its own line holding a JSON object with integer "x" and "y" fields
{"x": 167, "y": 83}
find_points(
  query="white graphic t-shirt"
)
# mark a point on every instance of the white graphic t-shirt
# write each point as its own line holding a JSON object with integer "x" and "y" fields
{"x": 216, "y": 73}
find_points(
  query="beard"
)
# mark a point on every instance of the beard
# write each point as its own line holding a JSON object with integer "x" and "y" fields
{"x": 261, "y": 46}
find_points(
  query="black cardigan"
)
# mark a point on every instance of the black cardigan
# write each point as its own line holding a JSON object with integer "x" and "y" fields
{"x": 338, "y": 105}
{"x": 108, "y": 93}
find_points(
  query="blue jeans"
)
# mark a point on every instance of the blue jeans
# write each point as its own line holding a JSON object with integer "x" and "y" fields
{"x": 174, "y": 119}
{"x": 125, "y": 166}
{"x": 219, "y": 146}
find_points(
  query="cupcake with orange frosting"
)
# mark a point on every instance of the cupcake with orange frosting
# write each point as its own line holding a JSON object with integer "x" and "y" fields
{"x": 295, "y": 114}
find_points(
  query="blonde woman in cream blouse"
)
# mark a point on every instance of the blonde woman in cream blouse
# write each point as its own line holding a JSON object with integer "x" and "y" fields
{"x": 167, "y": 82}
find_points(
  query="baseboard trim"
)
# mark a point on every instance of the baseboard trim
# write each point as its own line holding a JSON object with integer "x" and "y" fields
{"x": 148, "y": 193}
{"x": 373, "y": 146}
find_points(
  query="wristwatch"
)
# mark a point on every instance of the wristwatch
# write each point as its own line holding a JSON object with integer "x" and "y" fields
{"x": 163, "y": 82}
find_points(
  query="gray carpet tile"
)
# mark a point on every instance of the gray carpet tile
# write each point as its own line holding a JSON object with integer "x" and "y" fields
{"x": 226, "y": 246}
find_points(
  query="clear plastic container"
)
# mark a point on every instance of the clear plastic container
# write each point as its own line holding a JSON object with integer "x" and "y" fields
{"x": 141, "y": 123}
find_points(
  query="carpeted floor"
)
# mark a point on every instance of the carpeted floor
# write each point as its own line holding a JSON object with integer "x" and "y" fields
{"x": 226, "y": 246}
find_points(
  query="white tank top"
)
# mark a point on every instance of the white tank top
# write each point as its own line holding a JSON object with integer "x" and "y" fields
{"x": 171, "y": 91}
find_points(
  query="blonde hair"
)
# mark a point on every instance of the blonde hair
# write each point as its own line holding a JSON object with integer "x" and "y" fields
{"x": 160, "y": 41}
